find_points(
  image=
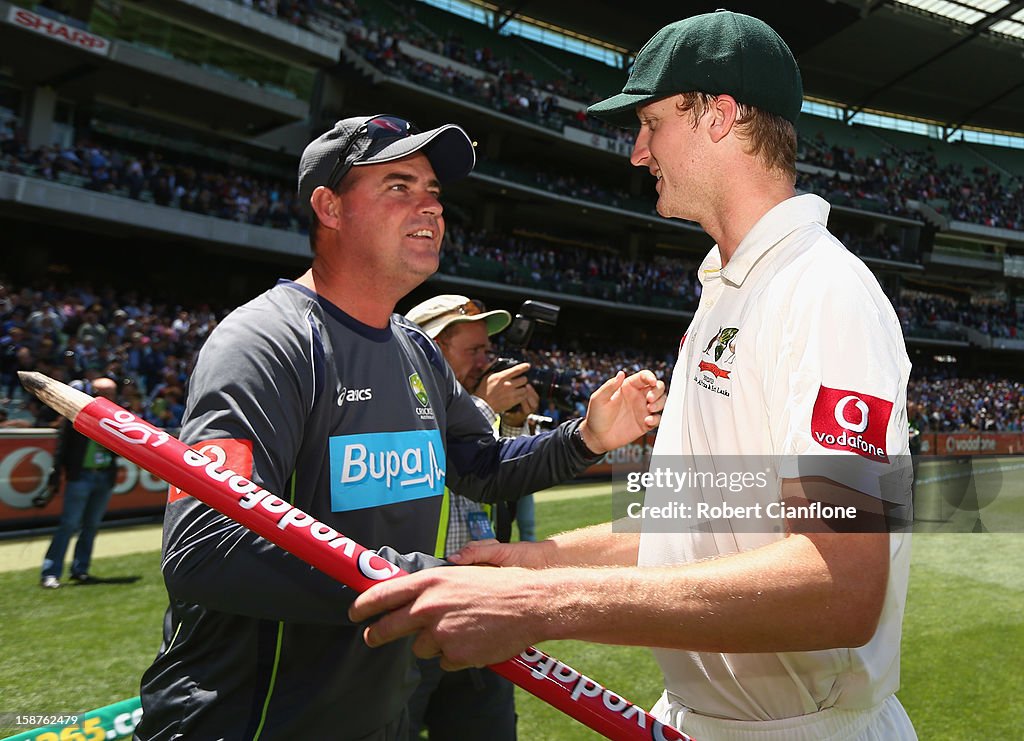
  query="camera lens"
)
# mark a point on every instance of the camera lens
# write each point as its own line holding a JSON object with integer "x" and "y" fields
{"x": 556, "y": 386}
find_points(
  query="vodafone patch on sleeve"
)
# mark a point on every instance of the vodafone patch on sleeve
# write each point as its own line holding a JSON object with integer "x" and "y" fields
{"x": 853, "y": 421}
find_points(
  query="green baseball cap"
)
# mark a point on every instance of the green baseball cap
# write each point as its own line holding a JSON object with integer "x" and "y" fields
{"x": 720, "y": 52}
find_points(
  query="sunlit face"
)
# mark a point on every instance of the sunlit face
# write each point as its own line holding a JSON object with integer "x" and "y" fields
{"x": 390, "y": 220}
{"x": 670, "y": 148}
{"x": 467, "y": 348}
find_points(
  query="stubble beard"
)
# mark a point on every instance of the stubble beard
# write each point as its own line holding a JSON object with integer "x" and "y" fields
{"x": 416, "y": 268}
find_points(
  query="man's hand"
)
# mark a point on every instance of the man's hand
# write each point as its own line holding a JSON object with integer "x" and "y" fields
{"x": 491, "y": 552}
{"x": 623, "y": 409}
{"x": 505, "y": 389}
{"x": 517, "y": 415}
{"x": 468, "y": 616}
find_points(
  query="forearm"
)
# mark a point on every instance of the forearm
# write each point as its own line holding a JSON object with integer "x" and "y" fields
{"x": 509, "y": 468}
{"x": 588, "y": 547}
{"x": 598, "y": 545}
{"x": 798, "y": 594}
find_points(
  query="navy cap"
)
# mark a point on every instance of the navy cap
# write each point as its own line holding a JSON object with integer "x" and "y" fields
{"x": 370, "y": 140}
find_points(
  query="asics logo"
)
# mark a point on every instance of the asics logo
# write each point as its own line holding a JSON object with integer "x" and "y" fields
{"x": 347, "y": 394}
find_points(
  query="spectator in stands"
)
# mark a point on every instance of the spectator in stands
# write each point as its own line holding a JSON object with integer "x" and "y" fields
{"x": 13, "y": 346}
{"x": 91, "y": 330}
{"x": 89, "y": 472}
{"x": 44, "y": 320}
{"x": 39, "y": 415}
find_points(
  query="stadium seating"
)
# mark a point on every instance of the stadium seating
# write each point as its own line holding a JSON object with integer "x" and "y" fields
{"x": 881, "y": 173}
{"x": 151, "y": 345}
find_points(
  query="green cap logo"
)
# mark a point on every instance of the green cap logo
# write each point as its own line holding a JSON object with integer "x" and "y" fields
{"x": 417, "y": 388}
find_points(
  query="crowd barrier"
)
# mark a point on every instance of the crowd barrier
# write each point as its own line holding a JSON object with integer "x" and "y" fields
{"x": 972, "y": 443}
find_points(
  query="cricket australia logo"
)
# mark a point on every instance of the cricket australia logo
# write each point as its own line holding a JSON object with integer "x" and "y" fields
{"x": 424, "y": 410}
{"x": 713, "y": 371}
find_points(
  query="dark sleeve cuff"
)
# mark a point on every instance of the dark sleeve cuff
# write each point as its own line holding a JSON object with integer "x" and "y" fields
{"x": 579, "y": 446}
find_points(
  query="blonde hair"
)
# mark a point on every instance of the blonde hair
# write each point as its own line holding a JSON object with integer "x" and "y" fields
{"x": 770, "y": 137}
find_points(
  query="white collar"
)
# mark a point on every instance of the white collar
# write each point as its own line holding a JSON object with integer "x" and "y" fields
{"x": 775, "y": 225}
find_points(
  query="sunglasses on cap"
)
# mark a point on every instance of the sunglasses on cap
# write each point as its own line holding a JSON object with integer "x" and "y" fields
{"x": 376, "y": 133}
{"x": 472, "y": 307}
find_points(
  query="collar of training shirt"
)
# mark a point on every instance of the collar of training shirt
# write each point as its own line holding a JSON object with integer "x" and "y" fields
{"x": 772, "y": 228}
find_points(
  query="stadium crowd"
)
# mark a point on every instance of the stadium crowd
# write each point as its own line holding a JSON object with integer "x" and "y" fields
{"x": 592, "y": 270}
{"x": 596, "y": 273}
{"x": 155, "y": 178}
{"x": 214, "y": 189}
{"x": 505, "y": 87}
{"x": 210, "y": 189}
{"x": 884, "y": 182}
{"x": 888, "y": 180}
{"x": 81, "y": 331}
{"x": 990, "y": 404}
{"x": 918, "y": 310}
{"x": 225, "y": 192}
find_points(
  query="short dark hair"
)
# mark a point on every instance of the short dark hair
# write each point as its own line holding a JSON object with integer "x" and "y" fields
{"x": 314, "y": 220}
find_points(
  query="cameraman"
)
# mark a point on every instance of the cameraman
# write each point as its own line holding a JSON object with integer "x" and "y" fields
{"x": 454, "y": 323}
{"x": 471, "y": 703}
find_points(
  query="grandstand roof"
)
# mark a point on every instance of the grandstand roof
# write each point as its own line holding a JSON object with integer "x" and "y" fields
{"x": 869, "y": 54}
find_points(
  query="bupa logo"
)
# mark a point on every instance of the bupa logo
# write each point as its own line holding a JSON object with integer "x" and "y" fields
{"x": 382, "y": 468}
{"x": 349, "y": 395}
{"x": 228, "y": 456}
{"x": 847, "y": 420}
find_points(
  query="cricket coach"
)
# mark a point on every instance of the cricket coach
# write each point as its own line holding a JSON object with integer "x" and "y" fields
{"x": 318, "y": 392}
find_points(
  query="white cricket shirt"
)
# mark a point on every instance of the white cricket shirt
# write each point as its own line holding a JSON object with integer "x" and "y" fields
{"x": 794, "y": 352}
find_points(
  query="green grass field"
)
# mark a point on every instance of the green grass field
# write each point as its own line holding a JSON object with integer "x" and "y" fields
{"x": 82, "y": 647}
